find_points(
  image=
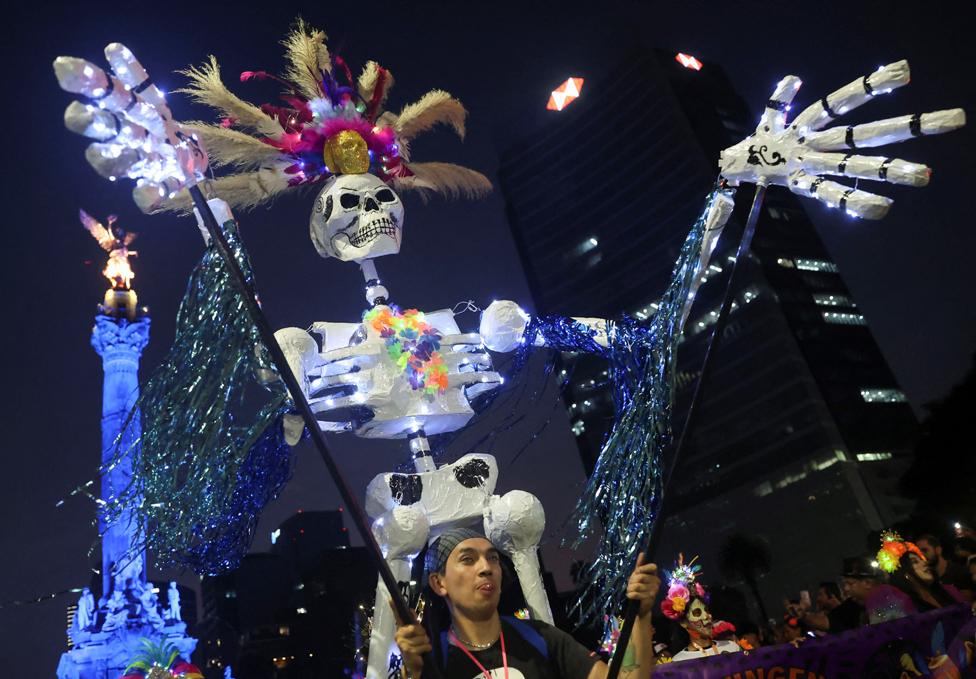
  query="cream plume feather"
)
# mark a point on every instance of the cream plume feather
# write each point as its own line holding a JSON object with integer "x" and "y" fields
{"x": 206, "y": 87}
{"x": 447, "y": 179}
{"x": 243, "y": 191}
{"x": 368, "y": 79}
{"x": 437, "y": 106}
{"x": 307, "y": 55}
{"x": 230, "y": 147}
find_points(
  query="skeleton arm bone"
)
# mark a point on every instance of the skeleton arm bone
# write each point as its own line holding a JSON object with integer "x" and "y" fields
{"x": 503, "y": 323}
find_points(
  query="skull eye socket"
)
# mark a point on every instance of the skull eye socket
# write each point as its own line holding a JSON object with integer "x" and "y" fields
{"x": 348, "y": 200}
{"x": 385, "y": 196}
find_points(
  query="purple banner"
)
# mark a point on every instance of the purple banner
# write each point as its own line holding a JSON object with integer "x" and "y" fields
{"x": 938, "y": 644}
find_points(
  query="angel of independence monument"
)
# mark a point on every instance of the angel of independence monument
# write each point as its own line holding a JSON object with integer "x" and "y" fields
{"x": 107, "y": 633}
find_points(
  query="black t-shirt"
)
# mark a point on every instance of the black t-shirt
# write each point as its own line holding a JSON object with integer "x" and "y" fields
{"x": 957, "y": 576}
{"x": 535, "y": 650}
{"x": 846, "y": 616}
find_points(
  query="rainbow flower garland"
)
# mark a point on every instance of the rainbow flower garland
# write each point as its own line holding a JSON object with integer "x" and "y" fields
{"x": 413, "y": 344}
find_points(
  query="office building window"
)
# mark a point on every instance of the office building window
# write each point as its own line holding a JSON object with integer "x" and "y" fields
{"x": 873, "y": 457}
{"x": 843, "y": 319}
{"x": 883, "y": 396}
{"x": 827, "y": 299}
{"x": 816, "y": 265}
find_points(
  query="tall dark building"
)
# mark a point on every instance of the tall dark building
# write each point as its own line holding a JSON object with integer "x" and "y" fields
{"x": 802, "y": 430}
{"x": 293, "y": 613}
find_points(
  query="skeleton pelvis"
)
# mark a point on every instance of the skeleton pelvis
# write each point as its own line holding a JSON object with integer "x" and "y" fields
{"x": 452, "y": 495}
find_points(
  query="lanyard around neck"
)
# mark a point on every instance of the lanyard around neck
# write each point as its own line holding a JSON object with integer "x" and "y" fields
{"x": 501, "y": 639}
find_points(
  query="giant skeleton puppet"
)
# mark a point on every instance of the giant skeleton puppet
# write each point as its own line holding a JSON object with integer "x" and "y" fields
{"x": 405, "y": 374}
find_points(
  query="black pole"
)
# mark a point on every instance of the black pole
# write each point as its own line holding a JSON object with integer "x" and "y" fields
{"x": 311, "y": 423}
{"x": 630, "y": 614}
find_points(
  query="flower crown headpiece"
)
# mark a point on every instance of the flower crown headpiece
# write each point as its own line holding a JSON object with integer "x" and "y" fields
{"x": 328, "y": 125}
{"x": 682, "y": 588}
{"x": 893, "y": 548}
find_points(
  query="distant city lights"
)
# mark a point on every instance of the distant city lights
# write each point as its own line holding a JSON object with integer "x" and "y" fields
{"x": 563, "y": 95}
{"x": 688, "y": 61}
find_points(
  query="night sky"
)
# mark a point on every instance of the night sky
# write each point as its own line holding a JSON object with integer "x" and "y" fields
{"x": 910, "y": 274}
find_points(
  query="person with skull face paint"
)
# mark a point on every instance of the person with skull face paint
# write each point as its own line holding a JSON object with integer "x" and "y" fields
{"x": 687, "y": 604}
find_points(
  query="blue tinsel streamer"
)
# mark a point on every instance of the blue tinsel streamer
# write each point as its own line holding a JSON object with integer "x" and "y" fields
{"x": 212, "y": 453}
{"x": 622, "y": 495}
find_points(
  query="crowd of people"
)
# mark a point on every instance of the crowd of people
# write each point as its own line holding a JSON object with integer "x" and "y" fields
{"x": 464, "y": 633}
{"x": 903, "y": 578}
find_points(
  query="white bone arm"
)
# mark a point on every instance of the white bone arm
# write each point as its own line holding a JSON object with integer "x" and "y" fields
{"x": 796, "y": 156}
{"x": 514, "y": 523}
{"x": 401, "y": 534}
{"x": 718, "y": 215}
{"x": 503, "y": 326}
{"x": 221, "y": 212}
{"x": 300, "y": 351}
{"x": 503, "y": 323}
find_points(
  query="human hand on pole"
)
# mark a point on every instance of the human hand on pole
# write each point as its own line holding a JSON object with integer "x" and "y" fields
{"x": 134, "y": 131}
{"x": 643, "y": 586}
{"x": 413, "y": 642}
{"x": 799, "y": 154}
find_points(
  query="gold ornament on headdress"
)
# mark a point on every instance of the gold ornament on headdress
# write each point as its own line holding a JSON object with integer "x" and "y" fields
{"x": 346, "y": 153}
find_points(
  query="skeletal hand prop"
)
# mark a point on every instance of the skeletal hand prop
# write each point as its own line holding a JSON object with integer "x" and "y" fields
{"x": 796, "y": 156}
{"x": 135, "y": 133}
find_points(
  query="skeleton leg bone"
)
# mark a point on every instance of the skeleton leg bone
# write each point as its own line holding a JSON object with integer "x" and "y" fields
{"x": 514, "y": 523}
{"x": 401, "y": 534}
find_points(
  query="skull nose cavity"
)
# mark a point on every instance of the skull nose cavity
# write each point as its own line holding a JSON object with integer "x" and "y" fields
{"x": 370, "y": 205}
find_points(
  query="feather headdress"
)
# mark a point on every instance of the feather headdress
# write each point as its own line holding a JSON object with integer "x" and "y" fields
{"x": 326, "y": 118}
{"x": 893, "y": 548}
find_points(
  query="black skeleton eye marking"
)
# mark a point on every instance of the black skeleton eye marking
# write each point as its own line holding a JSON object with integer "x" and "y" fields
{"x": 472, "y": 474}
{"x": 348, "y": 200}
{"x": 406, "y": 489}
{"x": 385, "y": 196}
{"x": 326, "y": 207}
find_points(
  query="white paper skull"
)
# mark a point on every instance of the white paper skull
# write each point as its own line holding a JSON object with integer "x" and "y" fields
{"x": 356, "y": 217}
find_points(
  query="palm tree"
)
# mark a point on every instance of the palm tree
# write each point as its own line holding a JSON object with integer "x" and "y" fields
{"x": 746, "y": 557}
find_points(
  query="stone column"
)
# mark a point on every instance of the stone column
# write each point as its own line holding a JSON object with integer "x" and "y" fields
{"x": 119, "y": 341}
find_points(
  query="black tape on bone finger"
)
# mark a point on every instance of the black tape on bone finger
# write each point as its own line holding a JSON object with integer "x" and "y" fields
{"x": 842, "y": 166}
{"x": 141, "y": 87}
{"x": 883, "y": 168}
{"x": 826, "y": 107}
{"x": 915, "y": 125}
{"x": 843, "y": 199}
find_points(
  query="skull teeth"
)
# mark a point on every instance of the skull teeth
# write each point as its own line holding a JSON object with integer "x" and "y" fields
{"x": 373, "y": 230}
